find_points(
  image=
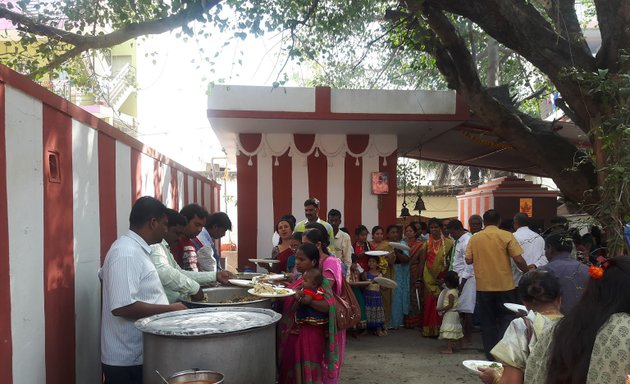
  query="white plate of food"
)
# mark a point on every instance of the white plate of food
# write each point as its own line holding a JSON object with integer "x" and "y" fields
{"x": 275, "y": 276}
{"x": 516, "y": 308}
{"x": 247, "y": 275}
{"x": 264, "y": 261}
{"x": 241, "y": 282}
{"x": 264, "y": 290}
{"x": 474, "y": 365}
{"x": 377, "y": 253}
{"x": 385, "y": 282}
{"x": 401, "y": 246}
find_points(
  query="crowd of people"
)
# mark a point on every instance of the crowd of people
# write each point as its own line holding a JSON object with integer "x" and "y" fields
{"x": 446, "y": 278}
{"x": 449, "y": 278}
{"x": 165, "y": 255}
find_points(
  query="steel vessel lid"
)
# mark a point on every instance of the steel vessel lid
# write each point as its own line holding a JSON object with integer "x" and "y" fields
{"x": 207, "y": 321}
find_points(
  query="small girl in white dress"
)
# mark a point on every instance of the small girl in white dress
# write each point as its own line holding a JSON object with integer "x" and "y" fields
{"x": 451, "y": 328}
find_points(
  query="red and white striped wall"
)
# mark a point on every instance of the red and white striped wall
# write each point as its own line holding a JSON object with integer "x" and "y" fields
{"x": 503, "y": 194}
{"x": 276, "y": 173}
{"x": 68, "y": 181}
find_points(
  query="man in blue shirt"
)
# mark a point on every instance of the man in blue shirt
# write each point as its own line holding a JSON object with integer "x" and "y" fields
{"x": 572, "y": 274}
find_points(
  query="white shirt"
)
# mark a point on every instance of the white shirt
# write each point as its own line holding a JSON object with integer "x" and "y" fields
{"x": 205, "y": 259}
{"x": 465, "y": 271}
{"x": 533, "y": 250}
{"x": 128, "y": 276}
{"x": 343, "y": 245}
{"x": 204, "y": 237}
{"x": 176, "y": 281}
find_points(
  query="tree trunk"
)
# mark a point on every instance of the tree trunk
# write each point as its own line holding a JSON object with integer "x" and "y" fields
{"x": 492, "y": 47}
{"x": 474, "y": 175}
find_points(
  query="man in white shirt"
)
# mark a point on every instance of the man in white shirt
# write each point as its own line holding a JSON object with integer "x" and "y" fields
{"x": 204, "y": 237}
{"x": 209, "y": 257}
{"x": 176, "y": 281}
{"x": 467, "y": 284}
{"x": 532, "y": 243}
{"x": 131, "y": 290}
{"x": 311, "y": 211}
{"x": 341, "y": 240}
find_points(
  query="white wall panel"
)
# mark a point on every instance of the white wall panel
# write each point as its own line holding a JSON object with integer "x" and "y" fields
{"x": 265, "y": 207}
{"x": 167, "y": 191}
{"x": 180, "y": 188}
{"x": 336, "y": 186}
{"x": 147, "y": 175}
{"x": 299, "y": 184}
{"x": 25, "y": 203}
{"x": 87, "y": 245}
{"x": 369, "y": 202}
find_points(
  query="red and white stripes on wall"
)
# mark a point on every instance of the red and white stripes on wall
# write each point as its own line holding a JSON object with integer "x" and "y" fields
{"x": 473, "y": 205}
{"x": 68, "y": 181}
{"x": 276, "y": 173}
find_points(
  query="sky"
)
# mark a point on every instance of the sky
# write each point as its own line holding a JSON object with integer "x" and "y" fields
{"x": 172, "y": 92}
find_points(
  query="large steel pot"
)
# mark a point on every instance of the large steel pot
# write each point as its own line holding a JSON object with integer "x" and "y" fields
{"x": 239, "y": 342}
{"x": 194, "y": 376}
{"x": 218, "y": 295}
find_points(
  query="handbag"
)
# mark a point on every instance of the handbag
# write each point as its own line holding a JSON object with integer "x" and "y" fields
{"x": 347, "y": 309}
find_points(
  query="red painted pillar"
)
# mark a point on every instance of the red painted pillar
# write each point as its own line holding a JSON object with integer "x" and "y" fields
{"x": 59, "y": 309}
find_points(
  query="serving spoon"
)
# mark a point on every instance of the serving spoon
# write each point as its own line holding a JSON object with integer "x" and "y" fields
{"x": 161, "y": 377}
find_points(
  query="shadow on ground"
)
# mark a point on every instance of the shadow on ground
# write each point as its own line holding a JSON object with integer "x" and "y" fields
{"x": 404, "y": 356}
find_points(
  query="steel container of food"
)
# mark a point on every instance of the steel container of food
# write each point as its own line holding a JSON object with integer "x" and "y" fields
{"x": 220, "y": 297}
{"x": 239, "y": 342}
{"x": 194, "y": 376}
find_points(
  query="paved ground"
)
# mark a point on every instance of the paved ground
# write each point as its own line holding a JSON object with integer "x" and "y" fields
{"x": 404, "y": 356}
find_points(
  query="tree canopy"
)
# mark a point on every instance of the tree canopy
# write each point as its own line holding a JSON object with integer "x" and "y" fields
{"x": 545, "y": 38}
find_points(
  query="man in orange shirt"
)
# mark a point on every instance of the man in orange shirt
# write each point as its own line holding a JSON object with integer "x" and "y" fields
{"x": 490, "y": 252}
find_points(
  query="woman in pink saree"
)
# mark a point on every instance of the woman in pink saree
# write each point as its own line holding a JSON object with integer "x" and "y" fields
{"x": 307, "y": 351}
{"x": 331, "y": 269}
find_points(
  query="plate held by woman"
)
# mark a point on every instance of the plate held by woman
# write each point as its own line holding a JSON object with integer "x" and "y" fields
{"x": 400, "y": 246}
{"x": 385, "y": 282}
{"x": 376, "y": 253}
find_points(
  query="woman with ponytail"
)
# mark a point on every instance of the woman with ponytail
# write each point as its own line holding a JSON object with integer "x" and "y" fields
{"x": 591, "y": 344}
{"x": 540, "y": 291}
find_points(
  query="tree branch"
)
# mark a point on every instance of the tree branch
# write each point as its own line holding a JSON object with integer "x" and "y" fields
{"x": 26, "y": 24}
{"x": 83, "y": 43}
{"x": 523, "y": 132}
{"x": 613, "y": 17}
{"x": 519, "y": 26}
{"x": 567, "y": 23}
{"x": 57, "y": 61}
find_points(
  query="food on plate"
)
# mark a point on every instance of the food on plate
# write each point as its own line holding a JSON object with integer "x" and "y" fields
{"x": 204, "y": 300}
{"x": 496, "y": 366}
{"x": 265, "y": 276}
{"x": 247, "y": 275}
{"x": 269, "y": 289}
{"x": 263, "y": 288}
{"x": 239, "y": 299}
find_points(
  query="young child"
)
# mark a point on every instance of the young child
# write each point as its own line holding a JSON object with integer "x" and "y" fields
{"x": 374, "y": 310}
{"x": 451, "y": 328}
{"x": 356, "y": 271}
{"x": 354, "y": 277}
{"x": 361, "y": 246}
{"x": 312, "y": 288}
{"x": 294, "y": 243}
